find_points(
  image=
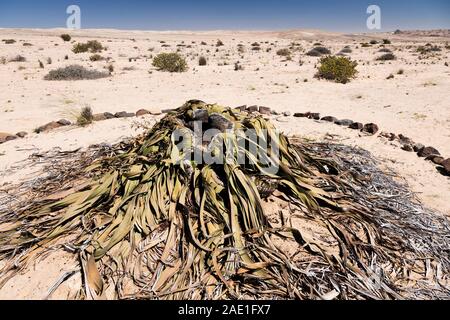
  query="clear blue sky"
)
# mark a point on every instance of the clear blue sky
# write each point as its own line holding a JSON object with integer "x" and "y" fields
{"x": 332, "y": 15}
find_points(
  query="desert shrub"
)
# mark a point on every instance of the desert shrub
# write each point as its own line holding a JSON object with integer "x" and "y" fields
{"x": 96, "y": 57}
{"x": 386, "y": 57}
{"x": 9, "y": 41}
{"x": 346, "y": 49}
{"x": 318, "y": 51}
{"x": 66, "y": 37}
{"x": 386, "y": 41}
{"x": 110, "y": 68}
{"x": 365, "y": 45}
{"x": 18, "y": 58}
{"x": 386, "y": 50}
{"x": 75, "y": 72}
{"x": 85, "y": 117}
{"x": 284, "y": 52}
{"x": 203, "y": 43}
{"x": 256, "y": 48}
{"x": 49, "y": 60}
{"x": 339, "y": 69}
{"x": 2, "y": 60}
{"x": 41, "y": 65}
{"x": 171, "y": 62}
{"x": 219, "y": 43}
{"x": 373, "y": 42}
{"x": 92, "y": 46}
{"x": 202, "y": 61}
{"x": 27, "y": 44}
{"x": 313, "y": 53}
{"x": 255, "y": 44}
{"x": 401, "y": 71}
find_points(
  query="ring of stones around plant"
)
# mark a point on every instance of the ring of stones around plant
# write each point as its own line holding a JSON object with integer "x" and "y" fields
{"x": 324, "y": 226}
{"x": 407, "y": 144}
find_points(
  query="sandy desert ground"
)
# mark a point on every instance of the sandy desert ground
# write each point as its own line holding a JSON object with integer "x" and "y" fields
{"x": 415, "y": 103}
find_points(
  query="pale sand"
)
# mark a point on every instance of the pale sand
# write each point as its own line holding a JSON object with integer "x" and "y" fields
{"x": 416, "y": 104}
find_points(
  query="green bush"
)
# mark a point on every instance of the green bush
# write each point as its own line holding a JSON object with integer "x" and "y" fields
{"x": 386, "y": 41}
{"x": 92, "y": 46}
{"x": 66, "y": 37}
{"x": 171, "y": 62}
{"x": 339, "y": 69}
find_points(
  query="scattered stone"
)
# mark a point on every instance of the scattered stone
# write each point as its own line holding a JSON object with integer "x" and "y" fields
{"x": 418, "y": 147}
{"x": 329, "y": 119}
{"x": 201, "y": 115}
{"x": 315, "y": 116}
{"x": 407, "y": 147}
{"x": 142, "y": 112}
{"x": 49, "y": 126}
{"x": 108, "y": 115}
{"x": 64, "y": 122}
{"x": 435, "y": 159}
{"x": 265, "y": 111}
{"x": 356, "y": 126}
{"x": 287, "y": 113}
{"x": 446, "y": 165}
{"x": 21, "y": 134}
{"x": 370, "y": 128}
{"x": 99, "y": 117}
{"x": 253, "y": 109}
{"x": 219, "y": 122}
{"x": 4, "y": 137}
{"x": 302, "y": 115}
{"x": 405, "y": 139}
{"x": 344, "y": 122}
{"x": 428, "y": 151}
{"x": 124, "y": 114}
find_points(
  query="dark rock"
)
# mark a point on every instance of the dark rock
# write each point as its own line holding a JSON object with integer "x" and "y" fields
{"x": 49, "y": 126}
{"x": 99, "y": 117}
{"x": 370, "y": 128}
{"x": 446, "y": 165}
{"x": 64, "y": 122}
{"x": 329, "y": 119}
{"x": 356, "y": 126}
{"x": 201, "y": 115}
{"x": 4, "y": 137}
{"x": 275, "y": 113}
{"x": 435, "y": 159}
{"x": 219, "y": 122}
{"x": 428, "y": 151}
{"x": 407, "y": 147}
{"x": 405, "y": 139}
{"x": 344, "y": 122}
{"x": 302, "y": 115}
{"x": 265, "y": 110}
{"x": 142, "y": 112}
{"x": 253, "y": 109}
{"x": 287, "y": 113}
{"x": 108, "y": 115}
{"x": 22, "y": 134}
{"x": 418, "y": 147}
{"x": 315, "y": 116}
{"x": 124, "y": 114}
